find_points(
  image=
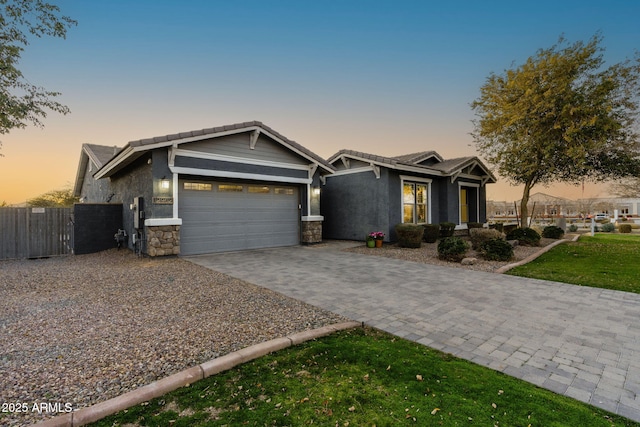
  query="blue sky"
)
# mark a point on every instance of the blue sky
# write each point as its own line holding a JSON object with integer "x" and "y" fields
{"x": 387, "y": 77}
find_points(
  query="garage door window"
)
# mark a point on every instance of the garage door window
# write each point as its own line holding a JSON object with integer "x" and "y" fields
{"x": 281, "y": 190}
{"x": 258, "y": 189}
{"x": 226, "y": 188}
{"x": 197, "y": 186}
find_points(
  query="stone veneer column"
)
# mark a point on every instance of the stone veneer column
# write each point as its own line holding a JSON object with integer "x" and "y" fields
{"x": 311, "y": 229}
{"x": 163, "y": 240}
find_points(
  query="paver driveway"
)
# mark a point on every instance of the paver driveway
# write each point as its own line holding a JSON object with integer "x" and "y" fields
{"x": 578, "y": 341}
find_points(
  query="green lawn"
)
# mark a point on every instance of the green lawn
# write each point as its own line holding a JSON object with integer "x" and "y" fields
{"x": 610, "y": 261}
{"x": 362, "y": 377}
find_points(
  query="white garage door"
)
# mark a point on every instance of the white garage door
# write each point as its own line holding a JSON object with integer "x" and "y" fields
{"x": 224, "y": 216}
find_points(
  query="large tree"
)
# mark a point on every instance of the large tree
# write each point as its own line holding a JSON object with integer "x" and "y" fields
{"x": 21, "y": 102}
{"x": 560, "y": 117}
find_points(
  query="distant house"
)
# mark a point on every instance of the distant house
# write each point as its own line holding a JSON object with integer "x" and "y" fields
{"x": 545, "y": 206}
{"x": 368, "y": 192}
{"x": 235, "y": 187}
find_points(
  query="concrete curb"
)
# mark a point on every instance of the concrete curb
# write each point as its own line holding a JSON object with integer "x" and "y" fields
{"x": 530, "y": 258}
{"x": 158, "y": 388}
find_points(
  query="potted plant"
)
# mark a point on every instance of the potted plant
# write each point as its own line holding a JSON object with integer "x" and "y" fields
{"x": 371, "y": 241}
{"x": 377, "y": 237}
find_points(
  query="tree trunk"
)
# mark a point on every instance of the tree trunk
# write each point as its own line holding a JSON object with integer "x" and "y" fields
{"x": 524, "y": 212}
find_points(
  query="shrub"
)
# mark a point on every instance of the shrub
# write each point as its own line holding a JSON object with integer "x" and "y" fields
{"x": 447, "y": 229}
{"x": 608, "y": 228}
{"x": 480, "y": 235}
{"x": 496, "y": 250}
{"x": 409, "y": 235}
{"x": 625, "y": 228}
{"x": 452, "y": 249}
{"x": 497, "y": 226}
{"x": 508, "y": 228}
{"x": 573, "y": 228}
{"x": 552, "y": 232}
{"x": 431, "y": 233}
{"x": 472, "y": 225}
{"x": 525, "y": 236}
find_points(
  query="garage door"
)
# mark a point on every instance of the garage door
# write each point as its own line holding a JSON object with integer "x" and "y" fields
{"x": 224, "y": 216}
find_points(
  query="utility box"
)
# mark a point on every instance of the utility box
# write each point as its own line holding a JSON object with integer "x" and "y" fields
{"x": 138, "y": 212}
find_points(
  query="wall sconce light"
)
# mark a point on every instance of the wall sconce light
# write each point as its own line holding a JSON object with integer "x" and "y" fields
{"x": 165, "y": 184}
{"x": 316, "y": 191}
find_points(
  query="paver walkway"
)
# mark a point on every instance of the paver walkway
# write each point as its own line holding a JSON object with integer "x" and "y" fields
{"x": 578, "y": 341}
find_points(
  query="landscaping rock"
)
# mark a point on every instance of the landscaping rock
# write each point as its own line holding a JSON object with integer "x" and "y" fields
{"x": 469, "y": 261}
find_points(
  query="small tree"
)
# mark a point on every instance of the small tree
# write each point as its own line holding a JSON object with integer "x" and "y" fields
{"x": 55, "y": 198}
{"x": 20, "y": 101}
{"x": 560, "y": 117}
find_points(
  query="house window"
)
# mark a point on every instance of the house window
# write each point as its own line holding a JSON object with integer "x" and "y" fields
{"x": 230, "y": 188}
{"x": 197, "y": 186}
{"x": 414, "y": 202}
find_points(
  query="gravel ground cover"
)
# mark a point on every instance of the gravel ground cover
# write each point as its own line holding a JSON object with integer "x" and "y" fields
{"x": 79, "y": 330}
{"x": 428, "y": 254}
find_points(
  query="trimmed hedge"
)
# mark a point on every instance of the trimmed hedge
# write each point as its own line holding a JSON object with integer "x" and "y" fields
{"x": 497, "y": 226}
{"x": 409, "y": 235}
{"x": 608, "y": 228}
{"x": 452, "y": 249}
{"x": 496, "y": 250}
{"x": 480, "y": 235}
{"x": 447, "y": 229}
{"x": 625, "y": 228}
{"x": 552, "y": 232}
{"x": 525, "y": 236}
{"x": 431, "y": 233}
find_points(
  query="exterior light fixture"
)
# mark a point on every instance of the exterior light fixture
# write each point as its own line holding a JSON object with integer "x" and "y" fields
{"x": 165, "y": 184}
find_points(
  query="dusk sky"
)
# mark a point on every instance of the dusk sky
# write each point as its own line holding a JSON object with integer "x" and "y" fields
{"x": 384, "y": 77}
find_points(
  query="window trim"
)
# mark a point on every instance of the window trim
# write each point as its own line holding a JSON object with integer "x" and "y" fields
{"x": 415, "y": 180}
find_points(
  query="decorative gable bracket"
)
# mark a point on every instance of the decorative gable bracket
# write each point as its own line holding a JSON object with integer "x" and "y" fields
{"x": 172, "y": 155}
{"x": 254, "y": 139}
{"x": 345, "y": 162}
{"x": 376, "y": 170}
{"x": 312, "y": 170}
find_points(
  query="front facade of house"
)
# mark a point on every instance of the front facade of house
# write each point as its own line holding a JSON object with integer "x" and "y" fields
{"x": 236, "y": 187}
{"x": 374, "y": 193}
{"x": 246, "y": 186}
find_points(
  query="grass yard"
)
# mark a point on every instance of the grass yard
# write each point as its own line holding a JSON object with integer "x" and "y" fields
{"x": 362, "y": 377}
{"x": 610, "y": 261}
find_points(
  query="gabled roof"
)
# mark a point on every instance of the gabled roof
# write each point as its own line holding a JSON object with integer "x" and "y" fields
{"x": 99, "y": 155}
{"x": 134, "y": 149}
{"x": 411, "y": 163}
{"x": 419, "y": 157}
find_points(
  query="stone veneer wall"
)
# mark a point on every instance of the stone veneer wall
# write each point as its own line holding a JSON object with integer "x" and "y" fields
{"x": 311, "y": 232}
{"x": 163, "y": 240}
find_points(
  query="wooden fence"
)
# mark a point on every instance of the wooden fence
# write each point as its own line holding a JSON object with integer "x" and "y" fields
{"x": 35, "y": 232}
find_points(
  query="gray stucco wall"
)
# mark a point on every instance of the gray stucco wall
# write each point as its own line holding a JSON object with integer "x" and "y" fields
{"x": 95, "y": 191}
{"x": 159, "y": 171}
{"x": 356, "y": 204}
{"x": 134, "y": 181}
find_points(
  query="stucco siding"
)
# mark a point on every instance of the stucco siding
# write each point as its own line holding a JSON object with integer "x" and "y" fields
{"x": 94, "y": 191}
{"x": 136, "y": 182}
{"x": 354, "y": 205}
